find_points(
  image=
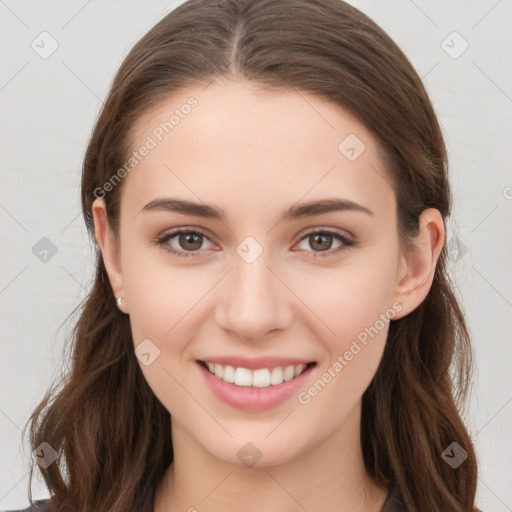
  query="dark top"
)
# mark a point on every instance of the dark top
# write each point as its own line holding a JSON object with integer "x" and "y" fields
{"x": 393, "y": 503}
{"x": 38, "y": 506}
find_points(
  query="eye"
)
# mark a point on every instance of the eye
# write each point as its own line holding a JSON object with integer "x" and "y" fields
{"x": 188, "y": 239}
{"x": 323, "y": 240}
{"x": 190, "y": 242}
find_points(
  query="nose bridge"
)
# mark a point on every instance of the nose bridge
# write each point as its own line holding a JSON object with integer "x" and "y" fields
{"x": 254, "y": 299}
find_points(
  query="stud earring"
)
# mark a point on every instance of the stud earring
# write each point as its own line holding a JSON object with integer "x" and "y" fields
{"x": 119, "y": 301}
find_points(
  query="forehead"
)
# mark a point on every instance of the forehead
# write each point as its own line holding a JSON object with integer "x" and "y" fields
{"x": 233, "y": 140}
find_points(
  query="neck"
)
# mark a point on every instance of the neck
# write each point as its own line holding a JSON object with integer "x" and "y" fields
{"x": 197, "y": 481}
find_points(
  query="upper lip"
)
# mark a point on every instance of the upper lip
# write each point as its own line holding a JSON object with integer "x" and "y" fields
{"x": 255, "y": 363}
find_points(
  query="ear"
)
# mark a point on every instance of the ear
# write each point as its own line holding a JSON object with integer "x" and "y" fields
{"x": 109, "y": 250}
{"x": 418, "y": 262}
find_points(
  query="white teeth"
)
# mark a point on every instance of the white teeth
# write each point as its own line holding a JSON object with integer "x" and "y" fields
{"x": 289, "y": 373}
{"x": 276, "y": 376}
{"x": 262, "y": 378}
{"x": 299, "y": 369}
{"x": 229, "y": 373}
{"x": 218, "y": 370}
{"x": 243, "y": 377}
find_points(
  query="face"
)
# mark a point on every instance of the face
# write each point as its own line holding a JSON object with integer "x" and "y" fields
{"x": 254, "y": 287}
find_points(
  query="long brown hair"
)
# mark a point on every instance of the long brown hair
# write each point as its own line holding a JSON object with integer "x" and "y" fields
{"x": 111, "y": 433}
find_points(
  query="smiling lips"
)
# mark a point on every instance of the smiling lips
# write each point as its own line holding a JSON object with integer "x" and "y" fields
{"x": 254, "y": 384}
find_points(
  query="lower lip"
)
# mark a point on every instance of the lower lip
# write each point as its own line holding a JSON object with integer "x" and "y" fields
{"x": 252, "y": 398}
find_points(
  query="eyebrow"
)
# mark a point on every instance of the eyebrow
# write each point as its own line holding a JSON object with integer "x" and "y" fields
{"x": 294, "y": 212}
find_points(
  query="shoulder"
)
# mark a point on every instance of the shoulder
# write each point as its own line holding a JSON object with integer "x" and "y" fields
{"x": 37, "y": 506}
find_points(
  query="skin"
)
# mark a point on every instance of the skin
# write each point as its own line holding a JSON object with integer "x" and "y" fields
{"x": 255, "y": 153}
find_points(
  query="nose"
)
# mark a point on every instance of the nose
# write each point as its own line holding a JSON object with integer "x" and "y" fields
{"x": 254, "y": 301}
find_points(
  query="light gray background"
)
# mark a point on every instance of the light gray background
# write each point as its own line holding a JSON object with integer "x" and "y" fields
{"x": 48, "y": 110}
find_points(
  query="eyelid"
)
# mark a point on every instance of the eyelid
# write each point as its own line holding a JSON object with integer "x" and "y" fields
{"x": 326, "y": 229}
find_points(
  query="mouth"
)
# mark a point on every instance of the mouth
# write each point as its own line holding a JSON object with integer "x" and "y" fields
{"x": 256, "y": 379}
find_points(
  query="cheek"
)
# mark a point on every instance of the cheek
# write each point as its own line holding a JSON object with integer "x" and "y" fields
{"x": 355, "y": 314}
{"x": 354, "y": 305}
{"x": 352, "y": 297}
{"x": 163, "y": 304}
{"x": 160, "y": 292}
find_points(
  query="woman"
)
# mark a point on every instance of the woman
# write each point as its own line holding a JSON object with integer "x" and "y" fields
{"x": 271, "y": 324}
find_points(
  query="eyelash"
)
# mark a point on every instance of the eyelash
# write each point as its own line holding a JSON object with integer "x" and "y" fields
{"x": 347, "y": 243}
